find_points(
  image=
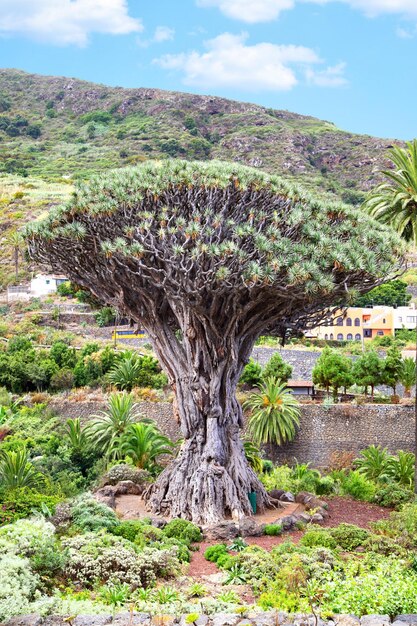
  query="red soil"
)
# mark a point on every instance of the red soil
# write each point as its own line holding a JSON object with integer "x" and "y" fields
{"x": 341, "y": 510}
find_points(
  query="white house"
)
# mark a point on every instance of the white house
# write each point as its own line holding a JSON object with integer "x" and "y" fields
{"x": 45, "y": 284}
{"x": 405, "y": 317}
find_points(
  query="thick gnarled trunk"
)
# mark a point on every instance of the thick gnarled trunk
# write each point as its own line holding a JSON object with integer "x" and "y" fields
{"x": 210, "y": 478}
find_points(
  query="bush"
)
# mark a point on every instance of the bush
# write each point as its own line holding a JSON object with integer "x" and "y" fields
{"x": 23, "y": 502}
{"x": 90, "y": 515}
{"x": 348, "y": 536}
{"x": 359, "y": 487}
{"x": 122, "y": 471}
{"x": 393, "y": 496}
{"x": 318, "y": 537}
{"x": 325, "y": 486}
{"x": 110, "y": 559}
{"x": 273, "y": 529}
{"x": 213, "y": 553}
{"x": 277, "y": 368}
{"x": 252, "y": 374}
{"x": 128, "y": 529}
{"x": 64, "y": 379}
{"x": 137, "y": 371}
{"x": 17, "y": 586}
{"x": 183, "y": 530}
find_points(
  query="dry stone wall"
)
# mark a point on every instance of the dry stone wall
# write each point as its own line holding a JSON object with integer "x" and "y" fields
{"x": 322, "y": 430}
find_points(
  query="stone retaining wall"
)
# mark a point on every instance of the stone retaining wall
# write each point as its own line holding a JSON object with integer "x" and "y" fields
{"x": 322, "y": 430}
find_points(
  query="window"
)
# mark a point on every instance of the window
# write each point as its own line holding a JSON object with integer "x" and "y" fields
{"x": 331, "y": 336}
{"x": 348, "y": 322}
{"x": 367, "y": 332}
{"x": 380, "y": 333}
{"x": 349, "y": 337}
{"x": 384, "y": 321}
{"x": 326, "y": 336}
{"x": 358, "y": 337}
{"x": 47, "y": 282}
{"x": 357, "y": 321}
{"x": 340, "y": 337}
{"x": 339, "y": 321}
{"x": 410, "y": 319}
{"x": 400, "y": 319}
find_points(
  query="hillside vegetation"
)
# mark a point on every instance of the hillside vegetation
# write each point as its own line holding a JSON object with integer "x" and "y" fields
{"x": 56, "y": 130}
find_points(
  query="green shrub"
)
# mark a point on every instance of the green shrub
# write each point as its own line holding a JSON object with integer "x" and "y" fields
{"x": 348, "y": 536}
{"x": 128, "y": 529}
{"x": 325, "y": 486}
{"x": 318, "y": 537}
{"x": 279, "y": 478}
{"x": 359, "y": 487}
{"x": 64, "y": 379}
{"x": 273, "y": 529}
{"x": 213, "y": 553}
{"x": 183, "y": 530}
{"x": 23, "y": 502}
{"x": 393, "y": 496}
{"x": 277, "y": 368}
{"x": 183, "y": 552}
{"x": 90, "y": 515}
{"x": 252, "y": 374}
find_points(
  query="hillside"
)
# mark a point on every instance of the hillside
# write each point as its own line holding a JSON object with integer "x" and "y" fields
{"x": 54, "y": 130}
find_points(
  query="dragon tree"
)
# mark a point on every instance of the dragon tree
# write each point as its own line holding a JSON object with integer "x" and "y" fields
{"x": 207, "y": 257}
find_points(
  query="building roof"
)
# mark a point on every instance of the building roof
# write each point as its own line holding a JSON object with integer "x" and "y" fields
{"x": 300, "y": 383}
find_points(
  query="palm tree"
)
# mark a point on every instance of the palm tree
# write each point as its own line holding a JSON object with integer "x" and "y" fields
{"x": 275, "y": 413}
{"x": 15, "y": 240}
{"x": 143, "y": 442}
{"x": 17, "y": 471}
{"x": 107, "y": 429}
{"x": 75, "y": 434}
{"x": 373, "y": 462}
{"x": 408, "y": 375}
{"x": 394, "y": 202}
{"x": 124, "y": 375}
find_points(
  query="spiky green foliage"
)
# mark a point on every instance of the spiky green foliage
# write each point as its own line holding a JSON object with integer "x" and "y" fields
{"x": 250, "y": 231}
{"x": 408, "y": 374}
{"x": 107, "y": 429}
{"x": 373, "y": 462}
{"x": 16, "y": 470}
{"x": 77, "y": 438}
{"x": 253, "y": 456}
{"x": 395, "y": 202}
{"x": 275, "y": 413}
{"x": 143, "y": 442}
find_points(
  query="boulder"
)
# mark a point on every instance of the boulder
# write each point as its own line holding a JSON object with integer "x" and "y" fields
{"x": 406, "y": 618}
{"x": 276, "y": 493}
{"x": 347, "y": 620}
{"x": 287, "y": 496}
{"x": 222, "y": 531}
{"x": 25, "y": 620}
{"x": 375, "y": 620}
{"x": 226, "y": 619}
{"x": 92, "y": 620}
{"x": 108, "y": 494}
{"x": 288, "y": 522}
{"x": 316, "y": 518}
{"x": 250, "y": 528}
{"x": 131, "y": 619}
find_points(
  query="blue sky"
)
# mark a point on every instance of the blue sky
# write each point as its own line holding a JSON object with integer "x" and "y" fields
{"x": 352, "y": 62}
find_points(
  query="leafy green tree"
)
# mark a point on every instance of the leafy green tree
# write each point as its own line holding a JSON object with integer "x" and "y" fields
{"x": 17, "y": 471}
{"x": 394, "y": 202}
{"x": 408, "y": 375}
{"x": 393, "y": 368}
{"x": 252, "y": 374}
{"x": 275, "y": 413}
{"x": 207, "y": 257}
{"x": 367, "y": 371}
{"x": 277, "y": 368}
{"x": 143, "y": 442}
{"x": 332, "y": 371}
{"x": 15, "y": 241}
{"x": 393, "y": 293}
{"x": 107, "y": 429}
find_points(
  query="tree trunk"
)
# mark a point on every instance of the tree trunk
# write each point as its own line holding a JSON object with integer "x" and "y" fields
{"x": 210, "y": 479}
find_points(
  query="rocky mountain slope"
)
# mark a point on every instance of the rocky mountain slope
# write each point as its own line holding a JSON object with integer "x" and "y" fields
{"x": 54, "y": 130}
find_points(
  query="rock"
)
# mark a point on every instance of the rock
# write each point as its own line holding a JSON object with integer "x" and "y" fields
{"x": 347, "y": 620}
{"x": 131, "y": 619}
{"x": 202, "y": 620}
{"x": 92, "y": 620}
{"x": 222, "y": 531}
{"x": 54, "y": 620}
{"x": 225, "y": 619}
{"x": 304, "y": 517}
{"x": 250, "y": 528}
{"x": 106, "y": 496}
{"x": 303, "y": 496}
{"x": 317, "y": 518}
{"x": 128, "y": 487}
{"x": 157, "y": 521}
{"x": 287, "y": 522}
{"x": 287, "y": 496}
{"x": 375, "y": 620}
{"x": 406, "y": 618}
{"x": 276, "y": 493}
{"x": 267, "y": 618}
{"x": 25, "y": 620}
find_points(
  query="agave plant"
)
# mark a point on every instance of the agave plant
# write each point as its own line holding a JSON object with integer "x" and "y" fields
{"x": 75, "y": 434}
{"x": 143, "y": 442}
{"x": 124, "y": 375}
{"x": 275, "y": 413}
{"x": 106, "y": 430}
{"x": 401, "y": 468}
{"x": 17, "y": 471}
{"x": 373, "y": 462}
{"x": 253, "y": 456}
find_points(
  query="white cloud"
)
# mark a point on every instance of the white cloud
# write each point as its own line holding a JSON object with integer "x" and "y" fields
{"x": 229, "y": 62}
{"x": 253, "y": 11}
{"x": 66, "y": 21}
{"x": 163, "y": 33}
{"x": 250, "y": 11}
{"x": 332, "y": 76}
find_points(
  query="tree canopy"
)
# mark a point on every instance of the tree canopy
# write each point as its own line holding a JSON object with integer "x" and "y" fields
{"x": 393, "y": 293}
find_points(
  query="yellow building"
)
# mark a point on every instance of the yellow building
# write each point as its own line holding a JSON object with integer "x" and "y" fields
{"x": 357, "y": 323}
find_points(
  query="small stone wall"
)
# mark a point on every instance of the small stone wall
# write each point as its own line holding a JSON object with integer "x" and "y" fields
{"x": 322, "y": 430}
